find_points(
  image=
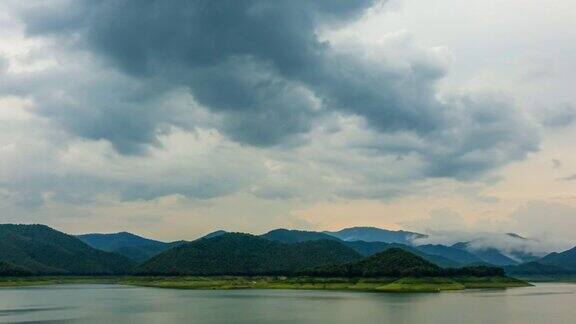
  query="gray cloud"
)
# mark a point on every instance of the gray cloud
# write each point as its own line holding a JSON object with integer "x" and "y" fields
{"x": 129, "y": 72}
{"x": 559, "y": 116}
{"x": 569, "y": 178}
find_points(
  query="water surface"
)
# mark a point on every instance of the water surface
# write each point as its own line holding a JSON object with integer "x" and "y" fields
{"x": 544, "y": 303}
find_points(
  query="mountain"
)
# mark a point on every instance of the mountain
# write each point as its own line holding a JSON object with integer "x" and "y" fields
{"x": 370, "y": 248}
{"x": 565, "y": 260}
{"x": 362, "y": 247}
{"x": 489, "y": 255}
{"x": 40, "y": 249}
{"x": 460, "y": 256}
{"x": 9, "y": 270}
{"x": 390, "y": 263}
{"x": 130, "y": 245}
{"x": 535, "y": 269}
{"x": 215, "y": 233}
{"x": 245, "y": 254}
{"x": 397, "y": 262}
{"x": 294, "y": 236}
{"x": 373, "y": 234}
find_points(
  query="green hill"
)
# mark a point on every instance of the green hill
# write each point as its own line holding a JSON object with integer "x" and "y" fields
{"x": 9, "y": 270}
{"x": 362, "y": 247}
{"x": 393, "y": 262}
{"x": 399, "y": 263}
{"x": 244, "y": 254}
{"x": 41, "y": 250}
{"x": 370, "y": 248}
{"x": 130, "y": 245}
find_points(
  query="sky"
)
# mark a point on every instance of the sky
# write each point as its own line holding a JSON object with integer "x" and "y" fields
{"x": 173, "y": 119}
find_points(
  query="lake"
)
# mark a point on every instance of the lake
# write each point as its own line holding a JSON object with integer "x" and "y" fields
{"x": 544, "y": 303}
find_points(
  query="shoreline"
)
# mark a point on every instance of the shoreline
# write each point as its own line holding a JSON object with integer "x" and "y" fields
{"x": 385, "y": 285}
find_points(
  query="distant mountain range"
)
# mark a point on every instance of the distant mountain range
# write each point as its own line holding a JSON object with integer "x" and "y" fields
{"x": 361, "y": 239}
{"x": 552, "y": 264}
{"x": 373, "y": 234}
{"x": 130, "y": 245}
{"x": 565, "y": 260}
{"x": 38, "y": 249}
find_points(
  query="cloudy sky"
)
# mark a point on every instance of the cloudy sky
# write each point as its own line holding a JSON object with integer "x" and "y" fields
{"x": 172, "y": 118}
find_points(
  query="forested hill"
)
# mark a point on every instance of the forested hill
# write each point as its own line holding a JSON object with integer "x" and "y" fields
{"x": 245, "y": 254}
{"x": 39, "y": 249}
{"x": 9, "y": 270}
{"x": 397, "y": 262}
{"x": 362, "y": 247}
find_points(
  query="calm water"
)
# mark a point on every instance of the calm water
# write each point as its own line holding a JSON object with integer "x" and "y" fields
{"x": 545, "y": 303}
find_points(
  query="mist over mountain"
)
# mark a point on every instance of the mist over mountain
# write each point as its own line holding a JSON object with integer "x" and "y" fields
{"x": 373, "y": 234}
{"x": 503, "y": 248}
{"x": 459, "y": 255}
{"x": 487, "y": 255}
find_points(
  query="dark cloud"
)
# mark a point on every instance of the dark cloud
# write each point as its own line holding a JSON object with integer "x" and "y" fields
{"x": 261, "y": 67}
{"x": 250, "y": 57}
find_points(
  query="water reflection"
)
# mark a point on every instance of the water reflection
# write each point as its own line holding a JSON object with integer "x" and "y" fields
{"x": 546, "y": 303}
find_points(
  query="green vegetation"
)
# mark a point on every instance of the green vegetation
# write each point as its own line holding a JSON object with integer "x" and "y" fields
{"x": 244, "y": 254}
{"x": 370, "y": 248}
{"x": 38, "y": 249}
{"x": 233, "y": 261}
{"x": 390, "y": 263}
{"x": 409, "y": 284}
{"x": 56, "y": 280}
{"x": 398, "y": 263}
{"x": 8, "y": 269}
{"x": 421, "y": 285}
{"x": 362, "y": 247}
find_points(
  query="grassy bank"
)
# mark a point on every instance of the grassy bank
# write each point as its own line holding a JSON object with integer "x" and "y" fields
{"x": 306, "y": 283}
{"x": 59, "y": 280}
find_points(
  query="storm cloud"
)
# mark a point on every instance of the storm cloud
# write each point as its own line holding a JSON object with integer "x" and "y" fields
{"x": 296, "y": 114}
{"x": 262, "y": 67}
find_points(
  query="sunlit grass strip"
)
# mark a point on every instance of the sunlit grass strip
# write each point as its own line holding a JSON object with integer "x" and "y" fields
{"x": 304, "y": 283}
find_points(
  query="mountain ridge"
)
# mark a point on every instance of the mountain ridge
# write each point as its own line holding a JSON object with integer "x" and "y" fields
{"x": 39, "y": 249}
